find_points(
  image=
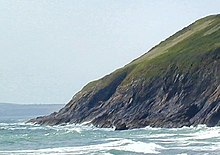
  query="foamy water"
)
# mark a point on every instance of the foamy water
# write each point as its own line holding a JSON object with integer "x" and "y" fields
{"x": 20, "y": 138}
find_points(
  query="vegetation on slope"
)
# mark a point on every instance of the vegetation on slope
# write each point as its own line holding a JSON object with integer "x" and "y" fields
{"x": 184, "y": 49}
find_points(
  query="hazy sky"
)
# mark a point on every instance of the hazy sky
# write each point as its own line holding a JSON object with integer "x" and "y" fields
{"x": 50, "y": 49}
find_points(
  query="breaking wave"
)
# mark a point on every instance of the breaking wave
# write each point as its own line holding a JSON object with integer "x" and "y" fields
{"x": 84, "y": 139}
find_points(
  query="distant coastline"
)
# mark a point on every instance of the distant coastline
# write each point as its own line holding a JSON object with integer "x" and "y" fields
{"x": 26, "y": 111}
{"x": 11, "y": 103}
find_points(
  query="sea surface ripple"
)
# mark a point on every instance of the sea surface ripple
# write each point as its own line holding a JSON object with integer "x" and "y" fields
{"x": 18, "y": 138}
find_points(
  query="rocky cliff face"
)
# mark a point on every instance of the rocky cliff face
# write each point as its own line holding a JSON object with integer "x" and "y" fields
{"x": 175, "y": 84}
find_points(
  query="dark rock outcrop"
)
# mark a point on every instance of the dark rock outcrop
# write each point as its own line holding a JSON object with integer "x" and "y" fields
{"x": 175, "y": 84}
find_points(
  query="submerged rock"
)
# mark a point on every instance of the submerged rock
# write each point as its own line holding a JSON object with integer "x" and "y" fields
{"x": 121, "y": 127}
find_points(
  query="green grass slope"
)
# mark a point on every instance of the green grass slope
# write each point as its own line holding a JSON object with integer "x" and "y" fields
{"x": 182, "y": 49}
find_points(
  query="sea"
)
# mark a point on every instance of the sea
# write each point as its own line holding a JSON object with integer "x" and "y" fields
{"x": 19, "y": 138}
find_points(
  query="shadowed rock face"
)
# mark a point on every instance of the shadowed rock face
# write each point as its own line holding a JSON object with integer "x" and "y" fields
{"x": 175, "y": 84}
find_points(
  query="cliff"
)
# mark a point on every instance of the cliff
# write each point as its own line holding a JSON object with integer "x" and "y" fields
{"x": 175, "y": 84}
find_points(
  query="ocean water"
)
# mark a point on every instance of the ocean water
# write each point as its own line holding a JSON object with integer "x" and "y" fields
{"x": 18, "y": 138}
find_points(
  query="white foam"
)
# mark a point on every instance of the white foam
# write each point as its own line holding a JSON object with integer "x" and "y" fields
{"x": 120, "y": 145}
{"x": 160, "y": 135}
{"x": 86, "y": 123}
{"x": 210, "y": 133}
{"x": 151, "y": 128}
{"x": 107, "y": 153}
{"x": 207, "y": 148}
{"x": 3, "y": 124}
{"x": 141, "y": 147}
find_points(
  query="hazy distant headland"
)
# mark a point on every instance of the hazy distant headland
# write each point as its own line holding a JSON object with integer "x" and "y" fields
{"x": 26, "y": 111}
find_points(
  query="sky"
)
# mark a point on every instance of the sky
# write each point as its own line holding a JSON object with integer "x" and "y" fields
{"x": 50, "y": 49}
